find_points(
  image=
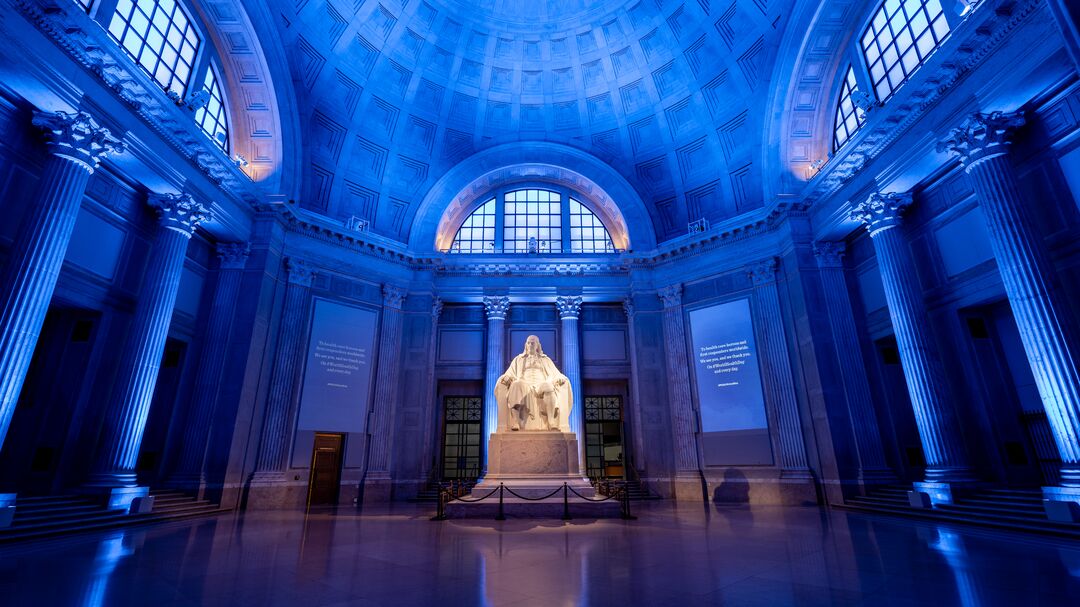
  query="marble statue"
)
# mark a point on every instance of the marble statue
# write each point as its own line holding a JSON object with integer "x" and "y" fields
{"x": 533, "y": 392}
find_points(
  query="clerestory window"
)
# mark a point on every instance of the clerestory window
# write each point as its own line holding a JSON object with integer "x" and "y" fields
{"x": 901, "y": 35}
{"x": 849, "y": 116}
{"x": 532, "y": 220}
{"x": 211, "y": 117}
{"x": 159, "y": 36}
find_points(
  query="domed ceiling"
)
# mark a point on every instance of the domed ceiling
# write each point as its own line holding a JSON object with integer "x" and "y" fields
{"x": 670, "y": 94}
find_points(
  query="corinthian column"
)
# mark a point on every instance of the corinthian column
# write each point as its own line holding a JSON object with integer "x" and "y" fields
{"x": 569, "y": 312}
{"x": 1047, "y": 329}
{"x": 924, "y": 372}
{"x": 779, "y": 385}
{"x": 496, "y": 309}
{"x": 273, "y": 455}
{"x": 190, "y": 471}
{"x": 638, "y": 415}
{"x": 76, "y": 145}
{"x": 856, "y": 388}
{"x": 140, "y": 361}
{"x": 687, "y": 468}
{"x": 386, "y": 384}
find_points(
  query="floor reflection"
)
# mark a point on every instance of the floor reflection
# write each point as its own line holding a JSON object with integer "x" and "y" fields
{"x": 671, "y": 555}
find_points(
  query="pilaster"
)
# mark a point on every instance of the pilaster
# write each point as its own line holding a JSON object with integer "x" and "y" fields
{"x": 688, "y": 481}
{"x": 496, "y": 308}
{"x": 377, "y": 486}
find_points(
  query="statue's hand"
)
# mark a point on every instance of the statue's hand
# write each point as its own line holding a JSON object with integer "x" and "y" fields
{"x": 560, "y": 382}
{"x": 506, "y": 381}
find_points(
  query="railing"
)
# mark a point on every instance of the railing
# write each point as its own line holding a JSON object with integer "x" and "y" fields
{"x": 616, "y": 491}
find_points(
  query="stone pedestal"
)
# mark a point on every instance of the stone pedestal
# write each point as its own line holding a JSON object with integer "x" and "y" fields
{"x": 533, "y": 463}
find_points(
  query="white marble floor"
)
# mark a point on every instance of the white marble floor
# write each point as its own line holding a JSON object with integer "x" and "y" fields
{"x": 672, "y": 555}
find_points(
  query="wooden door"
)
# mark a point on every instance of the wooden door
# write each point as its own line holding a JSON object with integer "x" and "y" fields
{"x": 325, "y": 469}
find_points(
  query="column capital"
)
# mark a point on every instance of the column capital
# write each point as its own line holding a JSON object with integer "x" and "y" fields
{"x": 178, "y": 212}
{"x": 628, "y": 307}
{"x": 436, "y": 307}
{"x": 497, "y": 307}
{"x": 830, "y": 253}
{"x": 982, "y": 136}
{"x": 300, "y": 272}
{"x": 762, "y": 272}
{"x": 233, "y": 255}
{"x": 882, "y": 211}
{"x": 569, "y": 306}
{"x": 393, "y": 296}
{"x": 671, "y": 295}
{"x": 77, "y": 136}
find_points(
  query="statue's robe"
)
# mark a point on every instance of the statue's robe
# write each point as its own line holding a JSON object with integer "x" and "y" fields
{"x": 557, "y": 403}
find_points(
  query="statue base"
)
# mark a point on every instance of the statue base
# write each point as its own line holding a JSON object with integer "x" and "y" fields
{"x": 533, "y": 463}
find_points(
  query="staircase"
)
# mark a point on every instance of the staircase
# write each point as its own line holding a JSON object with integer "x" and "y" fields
{"x": 50, "y": 516}
{"x": 430, "y": 493}
{"x": 640, "y": 492}
{"x": 1016, "y": 509}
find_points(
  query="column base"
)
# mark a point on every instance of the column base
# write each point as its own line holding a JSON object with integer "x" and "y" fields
{"x": 796, "y": 473}
{"x": 927, "y": 494}
{"x": 121, "y": 498}
{"x": 378, "y": 488}
{"x": 273, "y": 491}
{"x": 688, "y": 485}
{"x": 1062, "y": 504}
{"x": 7, "y": 509}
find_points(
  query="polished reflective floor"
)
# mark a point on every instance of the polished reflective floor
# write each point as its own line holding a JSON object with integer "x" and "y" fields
{"x": 672, "y": 555}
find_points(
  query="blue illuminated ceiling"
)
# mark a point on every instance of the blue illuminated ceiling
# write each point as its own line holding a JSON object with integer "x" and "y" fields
{"x": 670, "y": 94}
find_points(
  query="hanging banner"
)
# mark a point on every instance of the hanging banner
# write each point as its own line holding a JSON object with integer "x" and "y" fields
{"x": 337, "y": 379}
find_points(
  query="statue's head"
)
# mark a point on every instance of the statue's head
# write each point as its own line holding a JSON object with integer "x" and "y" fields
{"x": 532, "y": 345}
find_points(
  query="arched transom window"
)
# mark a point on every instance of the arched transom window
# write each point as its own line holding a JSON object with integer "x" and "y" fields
{"x": 532, "y": 220}
{"x": 900, "y": 36}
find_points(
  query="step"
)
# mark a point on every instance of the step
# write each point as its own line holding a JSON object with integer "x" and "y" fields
{"x": 1039, "y": 514}
{"x": 1026, "y": 525}
{"x": 992, "y": 503}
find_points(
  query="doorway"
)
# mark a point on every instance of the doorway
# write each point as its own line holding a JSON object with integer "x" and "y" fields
{"x": 604, "y": 437}
{"x": 462, "y": 428}
{"x": 325, "y": 469}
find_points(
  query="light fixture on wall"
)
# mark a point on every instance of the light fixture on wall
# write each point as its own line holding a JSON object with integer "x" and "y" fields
{"x": 699, "y": 226}
{"x": 356, "y": 224}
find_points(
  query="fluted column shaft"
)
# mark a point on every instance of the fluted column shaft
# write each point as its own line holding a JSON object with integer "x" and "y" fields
{"x": 924, "y": 371}
{"x": 569, "y": 313}
{"x": 76, "y": 145}
{"x": 272, "y": 459}
{"x": 638, "y": 417}
{"x": 387, "y": 389}
{"x": 860, "y": 404}
{"x": 140, "y": 362}
{"x": 1048, "y": 331}
{"x": 190, "y": 464}
{"x": 779, "y": 384}
{"x": 682, "y": 413}
{"x": 496, "y": 309}
{"x": 430, "y": 393}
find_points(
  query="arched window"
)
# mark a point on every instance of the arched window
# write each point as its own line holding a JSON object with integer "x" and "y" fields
{"x": 211, "y": 117}
{"x": 901, "y": 35}
{"x": 532, "y": 220}
{"x": 159, "y": 36}
{"x": 849, "y": 116}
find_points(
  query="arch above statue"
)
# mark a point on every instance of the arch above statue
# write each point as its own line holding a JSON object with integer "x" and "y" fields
{"x": 466, "y": 186}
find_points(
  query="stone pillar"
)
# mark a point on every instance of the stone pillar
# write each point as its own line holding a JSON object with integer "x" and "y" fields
{"x": 1047, "y": 327}
{"x": 190, "y": 470}
{"x": 569, "y": 308}
{"x": 272, "y": 459}
{"x": 136, "y": 377}
{"x": 872, "y": 467}
{"x": 779, "y": 384}
{"x": 638, "y": 417}
{"x": 76, "y": 145}
{"x": 688, "y": 479}
{"x": 496, "y": 309}
{"x": 387, "y": 397}
{"x": 428, "y": 463}
{"x": 924, "y": 372}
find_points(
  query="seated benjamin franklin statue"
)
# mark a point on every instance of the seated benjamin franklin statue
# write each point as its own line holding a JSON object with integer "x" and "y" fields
{"x": 533, "y": 394}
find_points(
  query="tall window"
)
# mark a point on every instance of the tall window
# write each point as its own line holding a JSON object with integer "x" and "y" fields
{"x": 211, "y": 117}
{"x": 159, "y": 36}
{"x": 85, "y": 4}
{"x": 849, "y": 117}
{"x": 532, "y": 220}
{"x": 900, "y": 37}
{"x": 587, "y": 234}
{"x": 477, "y": 234}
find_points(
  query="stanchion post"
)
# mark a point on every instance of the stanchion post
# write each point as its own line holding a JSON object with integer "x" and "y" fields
{"x": 440, "y": 514}
{"x": 500, "y": 516}
{"x": 565, "y": 502}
